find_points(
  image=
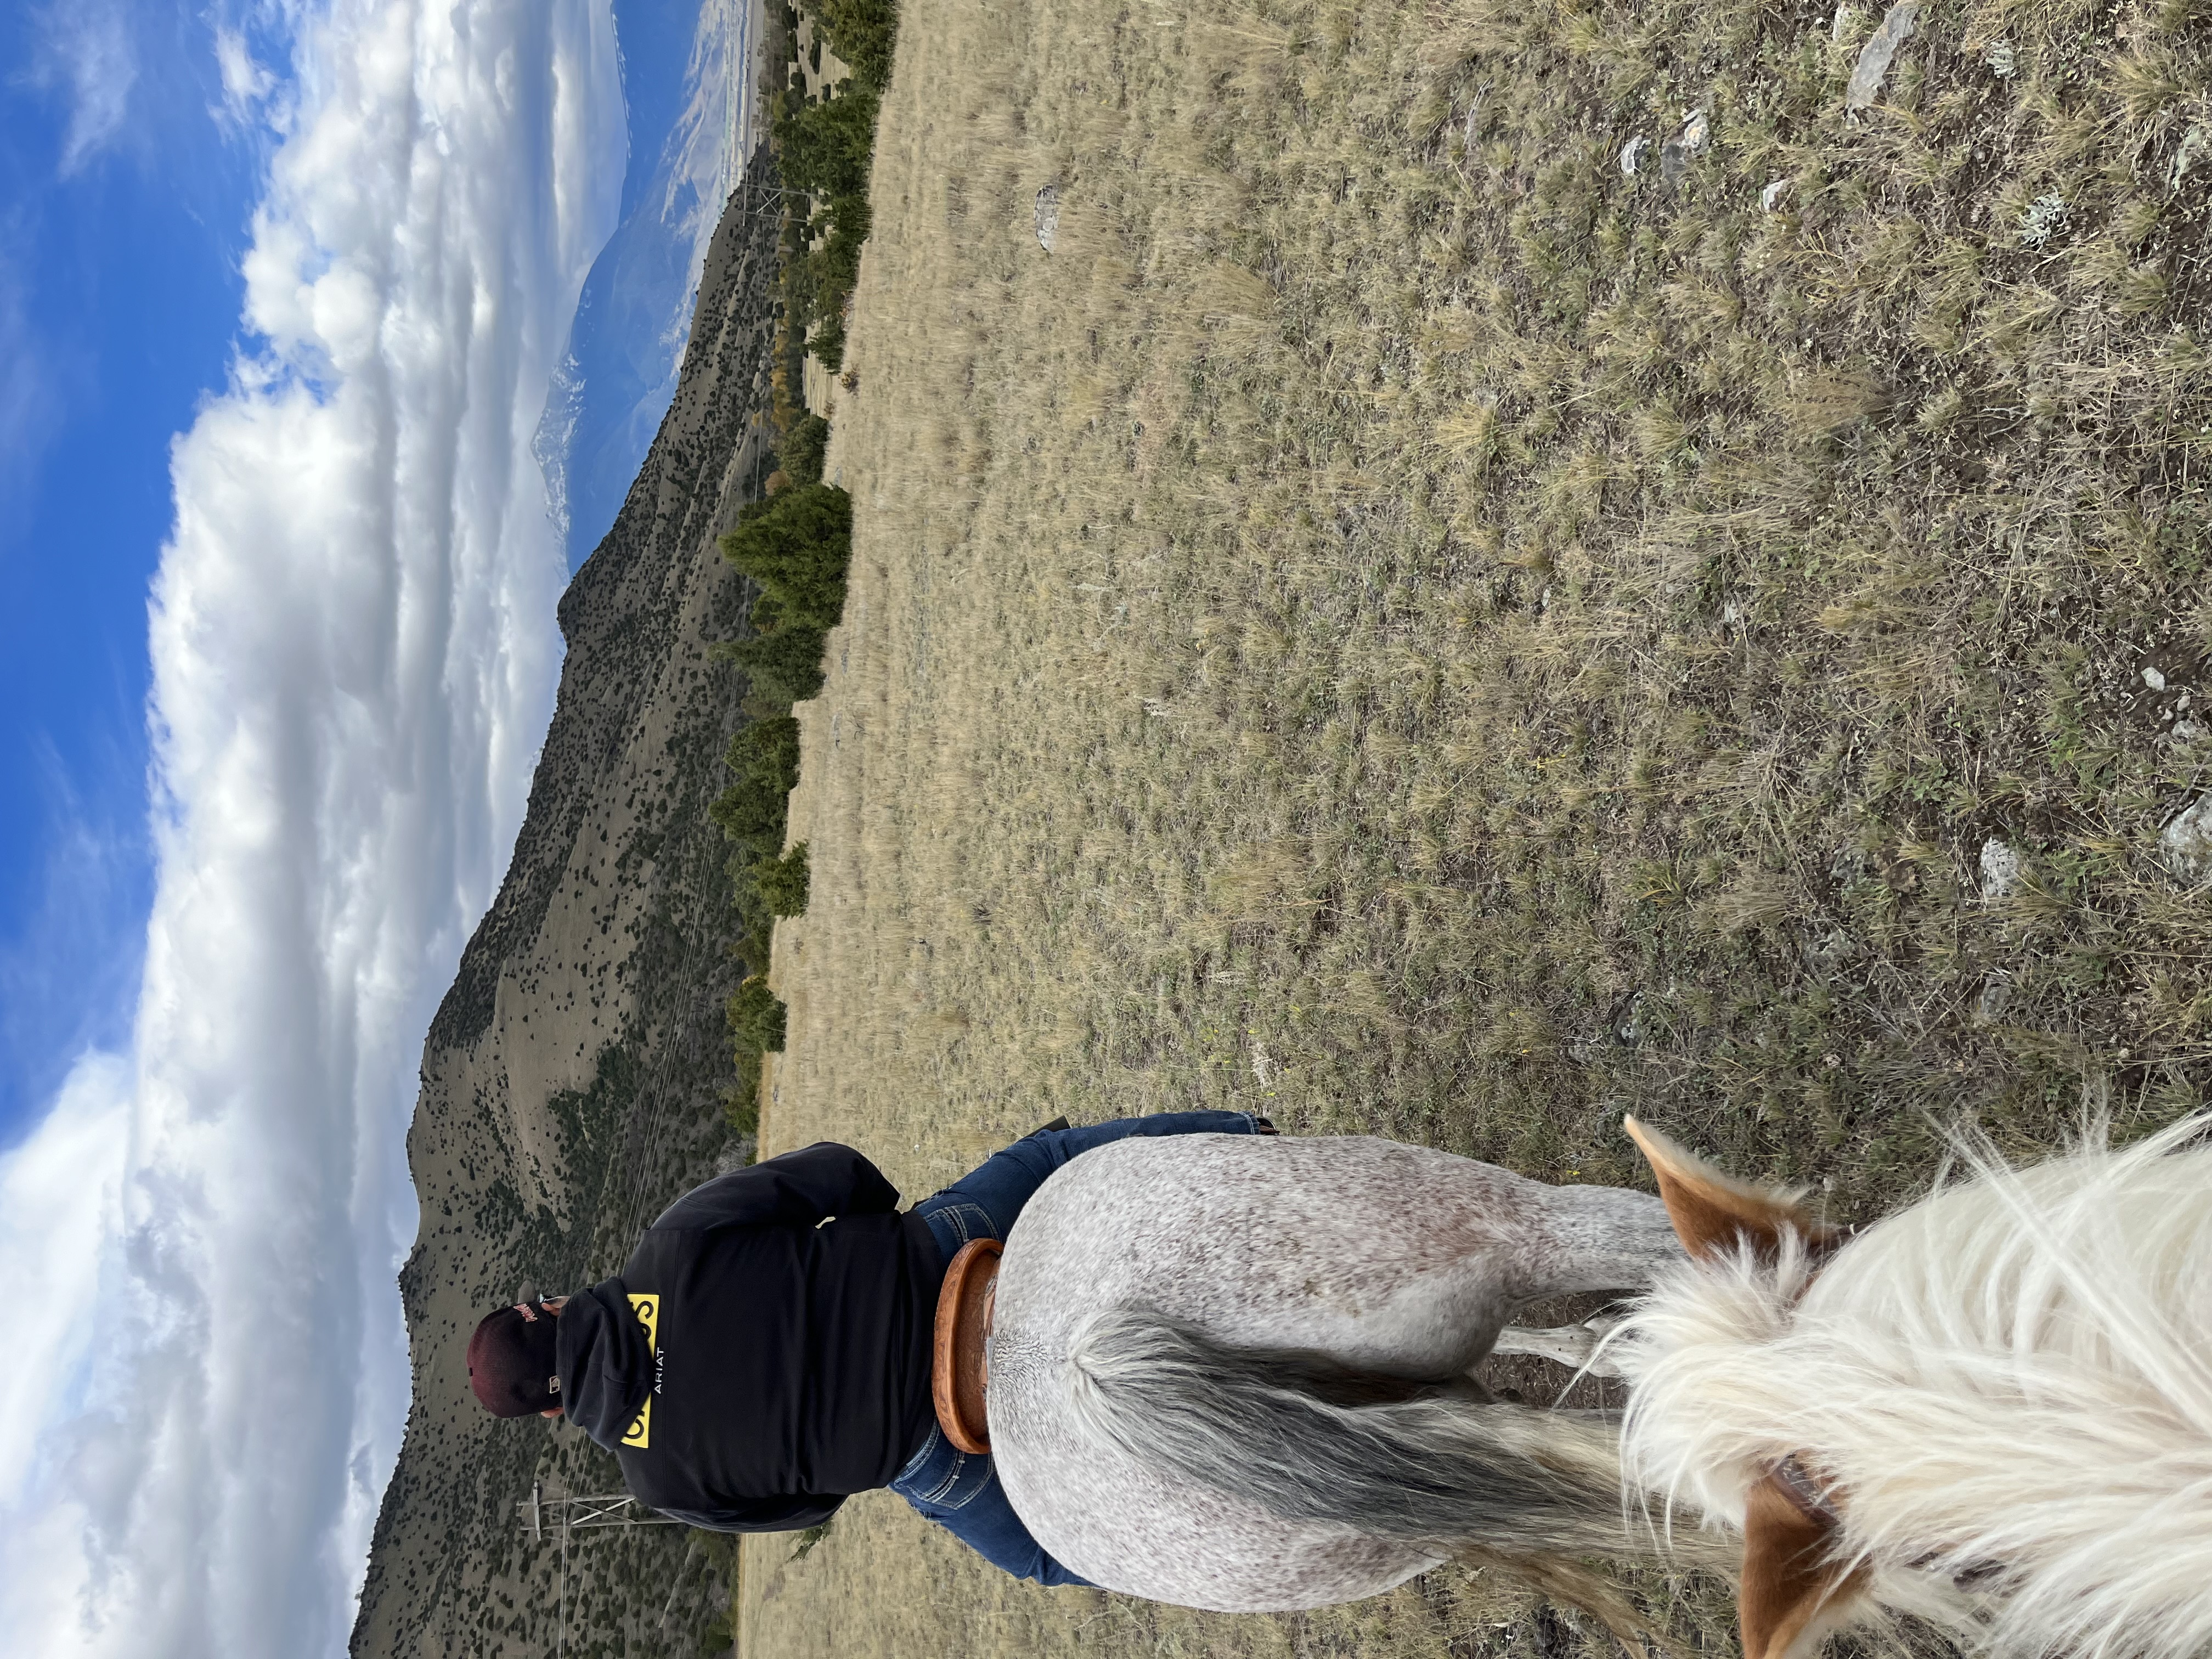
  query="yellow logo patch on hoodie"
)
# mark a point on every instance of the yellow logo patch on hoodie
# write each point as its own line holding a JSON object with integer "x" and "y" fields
{"x": 647, "y": 1309}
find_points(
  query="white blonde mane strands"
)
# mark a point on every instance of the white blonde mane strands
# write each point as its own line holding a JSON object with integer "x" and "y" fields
{"x": 2011, "y": 1381}
{"x": 1697, "y": 1433}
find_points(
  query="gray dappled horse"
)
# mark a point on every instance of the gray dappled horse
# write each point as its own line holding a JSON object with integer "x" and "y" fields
{"x": 1230, "y": 1372}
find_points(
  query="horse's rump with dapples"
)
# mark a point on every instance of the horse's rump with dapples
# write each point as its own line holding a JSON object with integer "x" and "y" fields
{"x": 1232, "y": 1372}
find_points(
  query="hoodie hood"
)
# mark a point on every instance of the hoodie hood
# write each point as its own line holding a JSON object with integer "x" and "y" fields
{"x": 605, "y": 1363}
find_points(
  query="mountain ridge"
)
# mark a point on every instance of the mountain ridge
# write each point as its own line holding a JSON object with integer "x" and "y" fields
{"x": 572, "y": 1074}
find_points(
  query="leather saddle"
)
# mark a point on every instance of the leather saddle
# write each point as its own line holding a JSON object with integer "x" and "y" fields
{"x": 960, "y": 1364}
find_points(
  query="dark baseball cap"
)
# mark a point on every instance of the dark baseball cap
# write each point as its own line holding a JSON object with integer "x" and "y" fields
{"x": 511, "y": 1361}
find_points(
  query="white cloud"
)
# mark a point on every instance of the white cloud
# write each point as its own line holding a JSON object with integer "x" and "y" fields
{"x": 85, "y": 48}
{"x": 354, "y": 652}
{"x": 62, "y": 1186}
{"x": 706, "y": 150}
{"x": 245, "y": 83}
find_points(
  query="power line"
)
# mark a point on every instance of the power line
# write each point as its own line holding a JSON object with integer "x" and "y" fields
{"x": 608, "y": 1512}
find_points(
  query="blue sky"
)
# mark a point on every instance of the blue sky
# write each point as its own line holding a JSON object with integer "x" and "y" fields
{"x": 119, "y": 295}
{"x": 120, "y": 292}
{"x": 284, "y": 289}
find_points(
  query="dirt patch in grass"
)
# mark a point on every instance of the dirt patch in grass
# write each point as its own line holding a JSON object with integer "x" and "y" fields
{"x": 1400, "y": 624}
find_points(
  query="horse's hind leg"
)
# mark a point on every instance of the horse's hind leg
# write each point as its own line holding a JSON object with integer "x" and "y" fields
{"x": 1579, "y": 1239}
{"x": 1594, "y": 1238}
{"x": 1576, "y": 1346}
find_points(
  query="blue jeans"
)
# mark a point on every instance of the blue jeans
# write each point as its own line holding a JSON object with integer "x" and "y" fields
{"x": 959, "y": 1490}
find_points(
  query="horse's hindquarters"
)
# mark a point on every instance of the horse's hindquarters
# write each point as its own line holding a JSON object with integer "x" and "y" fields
{"x": 1391, "y": 1258}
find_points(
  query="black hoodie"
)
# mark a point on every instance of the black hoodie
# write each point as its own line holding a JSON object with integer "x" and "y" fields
{"x": 766, "y": 1351}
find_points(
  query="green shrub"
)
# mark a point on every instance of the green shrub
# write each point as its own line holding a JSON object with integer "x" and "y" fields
{"x": 800, "y": 453}
{"x": 741, "y": 1102}
{"x": 783, "y": 882}
{"x": 823, "y": 148}
{"x": 830, "y": 271}
{"x": 766, "y": 751}
{"x": 785, "y": 667}
{"x": 764, "y": 754}
{"x": 755, "y": 1016}
{"x": 864, "y": 32}
{"x": 844, "y": 225}
{"x": 750, "y": 816}
{"x": 796, "y": 544}
{"x": 827, "y": 343}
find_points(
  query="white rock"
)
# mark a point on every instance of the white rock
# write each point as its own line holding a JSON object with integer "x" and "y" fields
{"x": 1881, "y": 49}
{"x": 2000, "y": 868}
{"x": 1832, "y": 948}
{"x": 1674, "y": 155}
{"x": 2154, "y": 679}
{"x": 2187, "y": 842}
{"x": 2186, "y": 153}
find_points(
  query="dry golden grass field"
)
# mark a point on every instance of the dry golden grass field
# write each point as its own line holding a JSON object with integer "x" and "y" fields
{"x": 1401, "y": 622}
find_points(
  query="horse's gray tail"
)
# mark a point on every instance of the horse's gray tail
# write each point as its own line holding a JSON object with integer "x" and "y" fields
{"x": 1307, "y": 1441}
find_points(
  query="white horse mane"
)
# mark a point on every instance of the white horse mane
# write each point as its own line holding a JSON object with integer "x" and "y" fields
{"x": 2008, "y": 1385}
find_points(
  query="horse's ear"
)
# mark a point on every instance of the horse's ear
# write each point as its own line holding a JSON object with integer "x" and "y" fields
{"x": 1711, "y": 1211}
{"x": 1793, "y": 1596}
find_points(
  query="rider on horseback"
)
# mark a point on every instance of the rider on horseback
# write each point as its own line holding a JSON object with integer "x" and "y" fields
{"x": 766, "y": 1351}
